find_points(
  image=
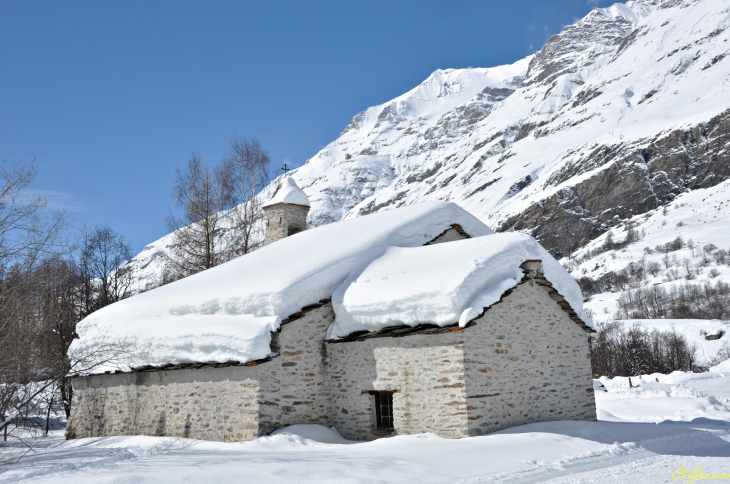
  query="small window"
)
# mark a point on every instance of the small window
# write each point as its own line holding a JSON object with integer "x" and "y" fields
{"x": 384, "y": 410}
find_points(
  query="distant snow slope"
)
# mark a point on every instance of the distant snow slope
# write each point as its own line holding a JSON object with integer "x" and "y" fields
{"x": 503, "y": 141}
{"x": 701, "y": 216}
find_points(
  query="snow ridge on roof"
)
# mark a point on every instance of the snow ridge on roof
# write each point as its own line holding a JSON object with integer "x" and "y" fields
{"x": 288, "y": 192}
{"x": 375, "y": 268}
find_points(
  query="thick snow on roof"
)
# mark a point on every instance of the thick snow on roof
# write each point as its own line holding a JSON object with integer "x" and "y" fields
{"x": 227, "y": 313}
{"x": 288, "y": 192}
{"x": 443, "y": 283}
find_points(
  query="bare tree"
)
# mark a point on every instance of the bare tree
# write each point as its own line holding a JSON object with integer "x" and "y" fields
{"x": 27, "y": 403}
{"x": 246, "y": 173}
{"x": 25, "y": 234}
{"x": 103, "y": 279}
{"x": 201, "y": 194}
{"x": 29, "y": 236}
{"x": 681, "y": 301}
{"x": 36, "y": 367}
{"x": 616, "y": 350}
{"x": 26, "y": 237}
{"x": 44, "y": 292}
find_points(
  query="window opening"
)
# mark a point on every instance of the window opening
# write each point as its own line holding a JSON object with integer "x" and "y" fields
{"x": 384, "y": 410}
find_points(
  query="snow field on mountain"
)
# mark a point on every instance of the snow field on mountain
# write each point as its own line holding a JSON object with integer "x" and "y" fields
{"x": 700, "y": 216}
{"x": 647, "y": 432}
{"x": 439, "y": 148}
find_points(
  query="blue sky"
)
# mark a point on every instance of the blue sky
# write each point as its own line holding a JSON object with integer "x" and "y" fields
{"x": 109, "y": 97}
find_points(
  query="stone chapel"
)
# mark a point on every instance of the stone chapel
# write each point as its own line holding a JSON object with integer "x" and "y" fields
{"x": 520, "y": 358}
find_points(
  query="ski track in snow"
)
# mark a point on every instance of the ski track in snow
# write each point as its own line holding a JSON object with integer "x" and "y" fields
{"x": 522, "y": 456}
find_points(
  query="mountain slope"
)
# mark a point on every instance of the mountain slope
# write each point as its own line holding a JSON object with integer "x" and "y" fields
{"x": 617, "y": 115}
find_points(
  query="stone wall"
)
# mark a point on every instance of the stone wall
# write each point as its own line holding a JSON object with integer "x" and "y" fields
{"x": 284, "y": 219}
{"x": 449, "y": 235}
{"x": 427, "y": 371}
{"x": 526, "y": 361}
{"x": 523, "y": 361}
{"x": 293, "y": 390}
{"x": 210, "y": 404}
{"x": 228, "y": 404}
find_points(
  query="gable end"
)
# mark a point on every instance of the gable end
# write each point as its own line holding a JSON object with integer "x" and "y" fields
{"x": 454, "y": 232}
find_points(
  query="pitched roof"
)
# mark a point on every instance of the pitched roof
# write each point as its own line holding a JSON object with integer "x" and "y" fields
{"x": 443, "y": 284}
{"x": 227, "y": 312}
{"x": 288, "y": 192}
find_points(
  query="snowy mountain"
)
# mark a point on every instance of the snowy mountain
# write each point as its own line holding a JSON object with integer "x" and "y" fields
{"x": 620, "y": 114}
{"x": 616, "y": 115}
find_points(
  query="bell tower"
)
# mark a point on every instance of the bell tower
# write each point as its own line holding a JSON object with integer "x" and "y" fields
{"x": 286, "y": 212}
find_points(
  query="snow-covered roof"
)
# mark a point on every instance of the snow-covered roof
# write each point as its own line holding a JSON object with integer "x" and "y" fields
{"x": 375, "y": 268}
{"x": 443, "y": 283}
{"x": 288, "y": 192}
{"x": 227, "y": 312}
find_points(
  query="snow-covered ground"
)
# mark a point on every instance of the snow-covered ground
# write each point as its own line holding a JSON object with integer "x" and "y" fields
{"x": 644, "y": 433}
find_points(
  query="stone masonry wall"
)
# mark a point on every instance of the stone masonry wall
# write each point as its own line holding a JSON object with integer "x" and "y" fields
{"x": 228, "y": 404}
{"x": 449, "y": 235}
{"x": 427, "y": 371}
{"x": 282, "y": 219}
{"x": 526, "y": 361}
{"x": 210, "y": 404}
{"x": 293, "y": 389}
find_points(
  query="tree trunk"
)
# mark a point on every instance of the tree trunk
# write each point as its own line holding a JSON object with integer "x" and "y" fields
{"x": 48, "y": 415}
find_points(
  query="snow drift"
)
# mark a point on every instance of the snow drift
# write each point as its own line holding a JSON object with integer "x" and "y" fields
{"x": 288, "y": 192}
{"x": 227, "y": 313}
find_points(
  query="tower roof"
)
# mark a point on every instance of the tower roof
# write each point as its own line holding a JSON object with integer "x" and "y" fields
{"x": 288, "y": 192}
